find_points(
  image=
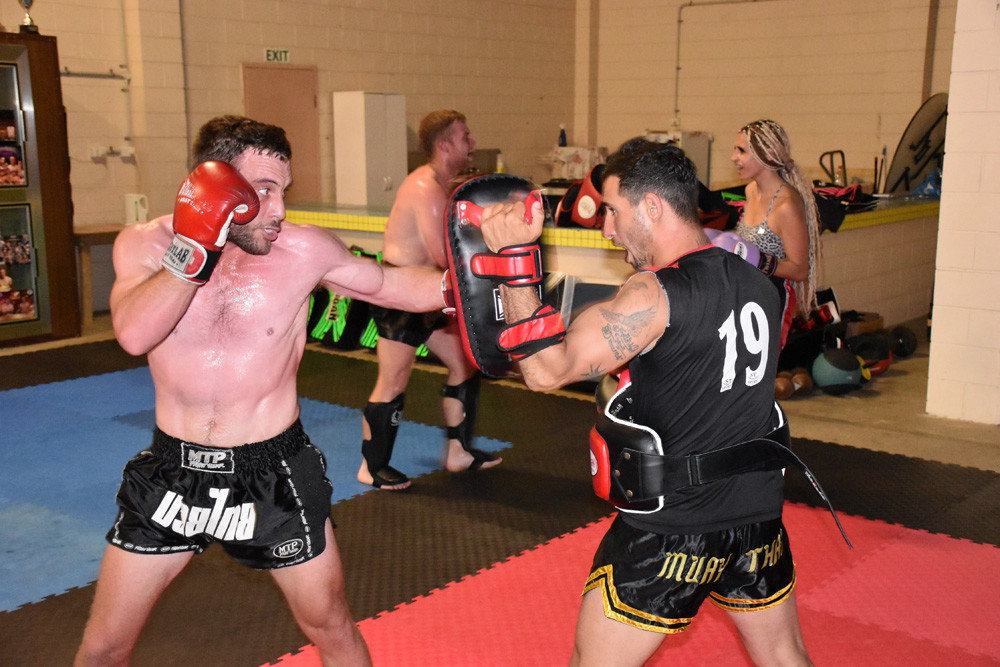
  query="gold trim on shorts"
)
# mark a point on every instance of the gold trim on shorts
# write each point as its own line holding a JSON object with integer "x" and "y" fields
{"x": 616, "y": 610}
{"x": 744, "y": 605}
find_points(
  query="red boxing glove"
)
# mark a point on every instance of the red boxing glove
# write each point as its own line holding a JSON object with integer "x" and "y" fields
{"x": 212, "y": 197}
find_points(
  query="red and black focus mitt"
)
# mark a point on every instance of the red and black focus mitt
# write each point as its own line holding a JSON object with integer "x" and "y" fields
{"x": 476, "y": 274}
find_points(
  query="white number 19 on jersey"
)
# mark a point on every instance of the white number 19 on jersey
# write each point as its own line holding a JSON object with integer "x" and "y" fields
{"x": 753, "y": 326}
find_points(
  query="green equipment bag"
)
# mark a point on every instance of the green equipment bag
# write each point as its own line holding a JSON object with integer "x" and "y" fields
{"x": 338, "y": 321}
{"x": 342, "y": 322}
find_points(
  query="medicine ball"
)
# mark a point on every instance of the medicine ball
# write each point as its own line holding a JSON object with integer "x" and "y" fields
{"x": 904, "y": 341}
{"x": 837, "y": 371}
{"x": 878, "y": 366}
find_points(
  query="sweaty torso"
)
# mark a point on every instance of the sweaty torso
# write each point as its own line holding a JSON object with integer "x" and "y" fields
{"x": 415, "y": 232}
{"x": 226, "y": 374}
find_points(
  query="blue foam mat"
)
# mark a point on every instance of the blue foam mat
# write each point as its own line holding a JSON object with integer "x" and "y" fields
{"x": 61, "y": 460}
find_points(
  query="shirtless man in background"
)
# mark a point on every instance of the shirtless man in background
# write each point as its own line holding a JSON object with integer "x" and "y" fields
{"x": 415, "y": 236}
{"x": 217, "y": 297}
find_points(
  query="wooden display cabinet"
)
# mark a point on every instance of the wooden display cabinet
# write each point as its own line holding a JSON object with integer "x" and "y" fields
{"x": 38, "y": 279}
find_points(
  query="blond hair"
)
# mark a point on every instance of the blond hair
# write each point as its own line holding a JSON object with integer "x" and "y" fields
{"x": 770, "y": 146}
{"x": 433, "y": 126}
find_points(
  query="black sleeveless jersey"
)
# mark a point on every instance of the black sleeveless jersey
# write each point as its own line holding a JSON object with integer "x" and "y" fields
{"x": 709, "y": 383}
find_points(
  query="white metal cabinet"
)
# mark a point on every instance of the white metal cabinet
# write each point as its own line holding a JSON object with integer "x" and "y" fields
{"x": 369, "y": 147}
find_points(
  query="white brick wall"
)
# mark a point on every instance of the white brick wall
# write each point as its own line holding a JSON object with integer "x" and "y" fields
{"x": 839, "y": 76}
{"x": 508, "y": 66}
{"x": 964, "y": 371}
{"x": 844, "y": 76}
{"x": 886, "y": 269}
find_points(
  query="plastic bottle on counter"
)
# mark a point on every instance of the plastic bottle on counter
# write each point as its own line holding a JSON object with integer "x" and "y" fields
{"x": 501, "y": 168}
{"x": 562, "y": 134}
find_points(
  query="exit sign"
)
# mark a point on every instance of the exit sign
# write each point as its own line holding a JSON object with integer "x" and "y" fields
{"x": 276, "y": 55}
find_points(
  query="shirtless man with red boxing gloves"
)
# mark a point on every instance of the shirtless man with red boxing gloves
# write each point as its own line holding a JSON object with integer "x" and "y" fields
{"x": 217, "y": 297}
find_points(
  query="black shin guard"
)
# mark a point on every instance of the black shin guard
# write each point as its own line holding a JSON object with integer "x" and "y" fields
{"x": 467, "y": 394}
{"x": 383, "y": 423}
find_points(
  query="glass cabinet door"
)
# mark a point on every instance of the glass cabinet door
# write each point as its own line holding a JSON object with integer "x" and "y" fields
{"x": 12, "y": 171}
{"x": 24, "y": 288}
{"x": 17, "y": 266}
{"x": 18, "y": 269}
{"x": 39, "y": 296}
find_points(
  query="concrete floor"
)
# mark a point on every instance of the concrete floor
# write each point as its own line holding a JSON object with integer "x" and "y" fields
{"x": 888, "y": 414}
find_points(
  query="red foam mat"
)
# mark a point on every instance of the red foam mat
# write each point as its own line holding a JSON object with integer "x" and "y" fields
{"x": 900, "y": 597}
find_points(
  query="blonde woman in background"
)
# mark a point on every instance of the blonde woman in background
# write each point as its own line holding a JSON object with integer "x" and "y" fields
{"x": 780, "y": 215}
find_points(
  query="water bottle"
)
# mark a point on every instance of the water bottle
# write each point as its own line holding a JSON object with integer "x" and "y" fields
{"x": 562, "y": 134}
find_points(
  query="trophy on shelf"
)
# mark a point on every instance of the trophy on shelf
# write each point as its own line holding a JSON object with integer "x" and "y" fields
{"x": 28, "y": 25}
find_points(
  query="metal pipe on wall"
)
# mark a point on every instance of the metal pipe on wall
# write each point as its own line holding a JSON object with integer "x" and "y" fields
{"x": 125, "y": 76}
{"x": 680, "y": 20}
{"x": 932, "y": 24}
{"x": 128, "y": 81}
{"x": 184, "y": 76}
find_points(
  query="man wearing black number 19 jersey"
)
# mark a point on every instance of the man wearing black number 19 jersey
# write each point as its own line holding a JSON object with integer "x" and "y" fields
{"x": 703, "y": 386}
{"x": 689, "y": 442}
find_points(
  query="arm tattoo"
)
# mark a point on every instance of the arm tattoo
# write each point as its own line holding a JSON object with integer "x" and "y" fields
{"x": 620, "y": 330}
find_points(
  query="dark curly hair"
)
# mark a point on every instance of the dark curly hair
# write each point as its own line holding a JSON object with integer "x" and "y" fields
{"x": 646, "y": 166}
{"x": 225, "y": 137}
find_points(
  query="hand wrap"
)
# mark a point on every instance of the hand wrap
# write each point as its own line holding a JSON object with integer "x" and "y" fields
{"x": 447, "y": 294}
{"x": 767, "y": 263}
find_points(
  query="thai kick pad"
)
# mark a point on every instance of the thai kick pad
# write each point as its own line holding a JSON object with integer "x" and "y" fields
{"x": 477, "y": 296}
